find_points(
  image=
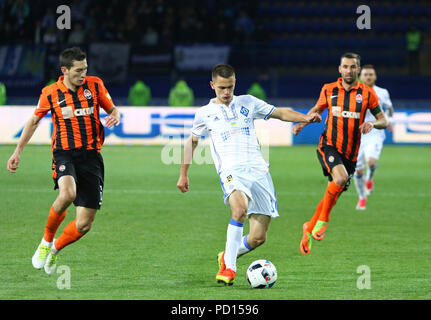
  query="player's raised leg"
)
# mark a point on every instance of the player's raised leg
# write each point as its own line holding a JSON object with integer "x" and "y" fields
{"x": 72, "y": 232}
{"x": 312, "y": 222}
{"x": 57, "y": 213}
{"x": 340, "y": 178}
{"x": 259, "y": 224}
{"x": 238, "y": 202}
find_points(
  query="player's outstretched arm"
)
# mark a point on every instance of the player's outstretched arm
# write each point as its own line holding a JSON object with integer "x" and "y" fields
{"x": 288, "y": 114}
{"x": 189, "y": 148}
{"x": 114, "y": 117}
{"x": 27, "y": 133}
{"x": 380, "y": 123}
{"x": 296, "y": 129}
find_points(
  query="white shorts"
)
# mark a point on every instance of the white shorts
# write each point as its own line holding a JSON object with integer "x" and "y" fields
{"x": 369, "y": 148}
{"x": 256, "y": 184}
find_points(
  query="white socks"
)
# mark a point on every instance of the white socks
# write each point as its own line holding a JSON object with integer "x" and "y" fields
{"x": 360, "y": 185}
{"x": 50, "y": 245}
{"x": 46, "y": 243}
{"x": 244, "y": 246}
{"x": 233, "y": 243}
{"x": 54, "y": 249}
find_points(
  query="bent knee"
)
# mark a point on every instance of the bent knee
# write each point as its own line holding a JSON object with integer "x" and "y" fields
{"x": 256, "y": 241}
{"x": 371, "y": 162}
{"x": 239, "y": 214}
{"x": 83, "y": 226}
{"x": 341, "y": 180}
{"x": 67, "y": 195}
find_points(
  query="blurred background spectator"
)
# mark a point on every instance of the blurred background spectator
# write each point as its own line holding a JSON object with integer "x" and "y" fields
{"x": 2, "y": 94}
{"x": 257, "y": 91}
{"x": 139, "y": 94}
{"x": 414, "y": 41}
{"x": 151, "y": 37}
{"x": 77, "y": 35}
{"x": 181, "y": 95}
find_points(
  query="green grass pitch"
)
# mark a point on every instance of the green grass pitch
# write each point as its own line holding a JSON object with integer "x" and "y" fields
{"x": 149, "y": 241}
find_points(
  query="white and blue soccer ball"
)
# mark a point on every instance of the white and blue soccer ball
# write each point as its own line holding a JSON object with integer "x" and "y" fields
{"x": 261, "y": 274}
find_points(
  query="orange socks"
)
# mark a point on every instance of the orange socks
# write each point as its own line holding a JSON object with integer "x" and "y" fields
{"x": 316, "y": 215}
{"x": 69, "y": 235}
{"x": 54, "y": 221}
{"x": 331, "y": 195}
{"x": 325, "y": 205}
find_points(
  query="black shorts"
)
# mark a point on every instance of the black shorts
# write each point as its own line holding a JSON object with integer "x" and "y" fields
{"x": 86, "y": 167}
{"x": 329, "y": 157}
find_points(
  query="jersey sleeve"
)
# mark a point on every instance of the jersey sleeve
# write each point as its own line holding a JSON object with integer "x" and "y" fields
{"x": 386, "y": 101}
{"x": 104, "y": 98}
{"x": 43, "y": 106}
{"x": 199, "y": 128}
{"x": 262, "y": 110}
{"x": 373, "y": 102}
{"x": 322, "y": 103}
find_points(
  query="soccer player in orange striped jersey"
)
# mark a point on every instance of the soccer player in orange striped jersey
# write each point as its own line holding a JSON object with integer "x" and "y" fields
{"x": 347, "y": 101}
{"x": 77, "y": 138}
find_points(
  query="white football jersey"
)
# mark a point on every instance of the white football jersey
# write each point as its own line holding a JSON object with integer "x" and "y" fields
{"x": 231, "y": 131}
{"x": 385, "y": 103}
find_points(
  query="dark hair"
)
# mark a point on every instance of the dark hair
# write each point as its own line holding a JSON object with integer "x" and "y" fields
{"x": 368, "y": 66}
{"x": 223, "y": 70}
{"x": 351, "y": 55}
{"x": 69, "y": 55}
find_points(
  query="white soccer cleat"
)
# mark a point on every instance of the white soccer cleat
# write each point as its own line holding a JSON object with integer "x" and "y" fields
{"x": 51, "y": 263}
{"x": 40, "y": 256}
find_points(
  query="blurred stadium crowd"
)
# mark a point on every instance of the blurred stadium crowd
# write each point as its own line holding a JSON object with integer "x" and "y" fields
{"x": 268, "y": 37}
{"x": 157, "y": 22}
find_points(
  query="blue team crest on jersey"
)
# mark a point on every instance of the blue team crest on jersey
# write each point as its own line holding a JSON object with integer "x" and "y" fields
{"x": 244, "y": 111}
{"x": 216, "y": 118}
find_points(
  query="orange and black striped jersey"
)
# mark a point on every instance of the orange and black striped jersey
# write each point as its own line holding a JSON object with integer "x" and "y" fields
{"x": 75, "y": 115}
{"x": 346, "y": 112}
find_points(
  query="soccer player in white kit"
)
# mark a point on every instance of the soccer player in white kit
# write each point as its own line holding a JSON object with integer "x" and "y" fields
{"x": 244, "y": 174}
{"x": 371, "y": 143}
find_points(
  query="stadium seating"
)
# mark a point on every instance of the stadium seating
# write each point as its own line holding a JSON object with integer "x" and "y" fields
{"x": 289, "y": 37}
{"x": 330, "y": 28}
